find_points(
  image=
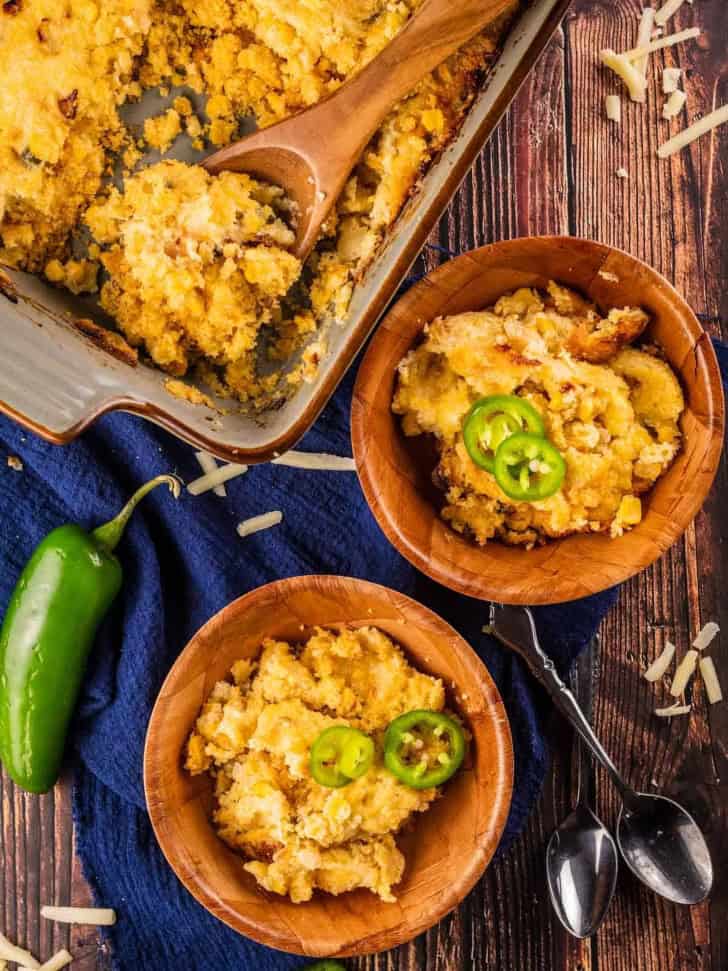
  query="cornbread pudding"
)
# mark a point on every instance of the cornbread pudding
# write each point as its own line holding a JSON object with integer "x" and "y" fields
{"x": 194, "y": 262}
{"x": 254, "y": 736}
{"x": 66, "y": 67}
{"x": 611, "y": 410}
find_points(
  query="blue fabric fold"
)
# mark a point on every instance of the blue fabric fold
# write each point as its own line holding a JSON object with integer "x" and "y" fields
{"x": 721, "y": 352}
{"x": 182, "y": 563}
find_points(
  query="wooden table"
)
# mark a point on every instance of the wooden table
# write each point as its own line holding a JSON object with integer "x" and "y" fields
{"x": 550, "y": 168}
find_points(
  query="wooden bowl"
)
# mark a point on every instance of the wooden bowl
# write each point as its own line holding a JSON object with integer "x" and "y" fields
{"x": 395, "y": 471}
{"x": 446, "y": 849}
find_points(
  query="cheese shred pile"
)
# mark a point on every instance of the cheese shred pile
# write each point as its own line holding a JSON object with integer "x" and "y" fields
{"x": 693, "y": 661}
{"x": 631, "y": 68}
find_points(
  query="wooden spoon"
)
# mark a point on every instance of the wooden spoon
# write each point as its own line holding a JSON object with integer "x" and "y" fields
{"x": 312, "y": 153}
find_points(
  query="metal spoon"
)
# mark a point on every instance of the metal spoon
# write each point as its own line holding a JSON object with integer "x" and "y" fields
{"x": 581, "y": 857}
{"x": 659, "y": 840}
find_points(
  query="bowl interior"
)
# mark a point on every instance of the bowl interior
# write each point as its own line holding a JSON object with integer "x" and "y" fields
{"x": 395, "y": 472}
{"x": 447, "y": 848}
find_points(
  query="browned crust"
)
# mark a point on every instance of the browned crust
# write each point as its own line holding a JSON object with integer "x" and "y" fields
{"x": 598, "y": 344}
{"x": 107, "y": 340}
{"x": 7, "y": 287}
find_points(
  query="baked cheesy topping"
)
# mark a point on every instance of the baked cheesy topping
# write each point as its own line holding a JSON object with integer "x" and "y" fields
{"x": 67, "y": 67}
{"x": 255, "y": 734}
{"x": 611, "y": 410}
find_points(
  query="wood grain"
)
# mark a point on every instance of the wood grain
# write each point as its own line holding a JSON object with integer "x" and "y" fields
{"x": 548, "y": 169}
{"x": 447, "y": 849}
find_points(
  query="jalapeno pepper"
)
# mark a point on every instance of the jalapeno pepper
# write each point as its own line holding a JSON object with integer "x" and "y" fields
{"x": 528, "y": 468}
{"x": 339, "y": 755}
{"x": 424, "y": 748}
{"x": 492, "y": 420}
{"x": 62, "y": 594}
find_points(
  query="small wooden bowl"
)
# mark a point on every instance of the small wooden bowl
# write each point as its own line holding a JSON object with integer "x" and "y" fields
{"x": 446, "y": 849}
{"x": 395, "y": 471}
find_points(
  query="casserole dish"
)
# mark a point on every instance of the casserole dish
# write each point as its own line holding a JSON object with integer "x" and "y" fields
{"x": 56, "y": 380}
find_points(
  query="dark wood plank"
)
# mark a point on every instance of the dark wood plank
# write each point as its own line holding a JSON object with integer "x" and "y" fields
{"x": 664, "y": 212}
{"x": 548, "y": 169}
{"x": 39, "y": 867}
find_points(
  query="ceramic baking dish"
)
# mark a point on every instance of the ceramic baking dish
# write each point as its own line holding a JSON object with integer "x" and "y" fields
{"x": 56, "y": 380}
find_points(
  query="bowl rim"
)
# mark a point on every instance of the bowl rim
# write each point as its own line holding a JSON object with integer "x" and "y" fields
{"x": 403, "y": 322}
{"x": 493, "y": 717}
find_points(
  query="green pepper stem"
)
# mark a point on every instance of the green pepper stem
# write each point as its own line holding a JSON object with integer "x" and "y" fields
{"x": 109, "y": 534}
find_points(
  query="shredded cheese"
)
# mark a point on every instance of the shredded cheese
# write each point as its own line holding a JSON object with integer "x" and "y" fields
{"x": 613, "y": 105}
{"x": 257, "y": 523}
{"x": 59, "y": 960}
{"x": 95, "y": 916}
{"x": 11, "y": 952}
{"x": 670, "y": 79}
{"x": 644, "y": 36}
{"x": 676, "y": 709}
{"x": 706, "y": 636}
{"x": 626, "y": 71}
{"x": 320, "y": 461}
{"x": 685, "y": 671}
{"x": 667, "y": 10}
{"x": 208, "y": 464}
{"x": 222, "y": 474}
{"x": 688, "y": 135}
{"x": 674, "y": 104}
{"x": 316, "y": 460}
{"x": 657, "y": 45}
{"x": 710, "y": 678}
{"x": 660, "y": 665}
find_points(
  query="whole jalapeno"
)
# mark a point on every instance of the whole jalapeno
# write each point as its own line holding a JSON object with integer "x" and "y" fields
{"x": 58, "y": 603}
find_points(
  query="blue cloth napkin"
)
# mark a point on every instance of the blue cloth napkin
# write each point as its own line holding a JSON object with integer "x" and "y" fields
{"x": 182, "y": 563}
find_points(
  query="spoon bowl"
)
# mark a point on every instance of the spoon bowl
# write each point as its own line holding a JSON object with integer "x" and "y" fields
{"x": 663, "y": 846}
{"x": 660, "y": 841}
{"x": 581, "y": 871}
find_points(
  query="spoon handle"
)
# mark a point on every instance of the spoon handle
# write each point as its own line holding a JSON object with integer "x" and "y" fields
{"x": 437, "y": 30}
{"x": 582, "y": 685}
{"x": 515, "y": 627}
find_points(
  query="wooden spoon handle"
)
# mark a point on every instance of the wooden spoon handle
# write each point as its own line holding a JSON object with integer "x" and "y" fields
{"x": 437, "y": 30}
{"x": 312, "y": 153}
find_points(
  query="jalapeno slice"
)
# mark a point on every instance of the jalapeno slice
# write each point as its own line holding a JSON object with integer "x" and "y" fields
{"x": 339, "y": 755}
{"x": 424, "y": 748}
{"x": 494, "y": 419}
{"x": 528, "y": 467}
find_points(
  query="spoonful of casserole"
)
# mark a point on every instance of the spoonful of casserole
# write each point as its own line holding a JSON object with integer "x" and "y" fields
{"x": 312, "y": 154}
